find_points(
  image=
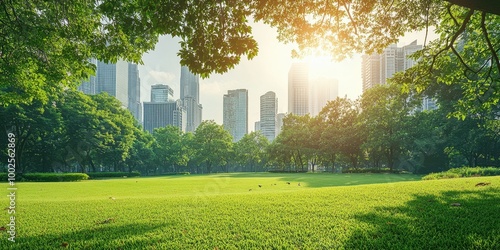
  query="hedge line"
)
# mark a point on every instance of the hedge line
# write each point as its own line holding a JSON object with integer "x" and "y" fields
{"x": 47, "y": 177}
{"x": 94, "y": 175}
{"x": 463, "y": 172}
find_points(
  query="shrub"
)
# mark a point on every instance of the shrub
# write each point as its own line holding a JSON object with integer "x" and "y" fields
{"x": 463, "y": 172}
{"x": 176, "y": 173}
{"x": 94, "y": 175}
{"x": 54, "y": 177}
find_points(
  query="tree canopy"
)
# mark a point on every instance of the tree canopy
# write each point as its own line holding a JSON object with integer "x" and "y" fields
{"x": 46, "y": 46}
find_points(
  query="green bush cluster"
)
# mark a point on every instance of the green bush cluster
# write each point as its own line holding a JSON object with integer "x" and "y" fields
{"x": 176, "y": 173}
{"x": 371, "y": 170}
{"x": 53, "y": 177}
{"x": 94, "y": 175}
{"x": 463, "y": 172}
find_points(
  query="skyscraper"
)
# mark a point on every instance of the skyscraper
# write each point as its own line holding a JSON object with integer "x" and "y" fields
{"x": 161, "y": 114}
{"x": 370, "y": 71}
{"x": 322, "y": 91}
{"x": 190, "y": 96}
{"x": 134, "y": 92}
{"x": 161, "y": 93}
{"x": 377, "y": 68}
{"x": 113, "y": 79}
{"x": 268, "y": 111}
{"x": 235, "y": 113}
{"x": 298, "y": 89}
{"x": 163, "y": 110}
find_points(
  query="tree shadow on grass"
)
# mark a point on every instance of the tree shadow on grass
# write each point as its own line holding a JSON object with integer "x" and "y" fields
{"x": 318, "y": 180}
{"x": 451, "y": 220}
{"x": 103, "y": 235}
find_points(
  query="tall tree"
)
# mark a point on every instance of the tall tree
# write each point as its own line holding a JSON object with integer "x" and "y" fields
{"x": 212, "y": 145}
{"x": 169, "y": 148}
{"x": 250, "y": 151}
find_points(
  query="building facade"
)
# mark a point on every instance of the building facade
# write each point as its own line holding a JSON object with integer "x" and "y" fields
{"x": 298, "y": 89}
{"x": 235, "y": 113}
{"x": 322, "y": 91}
{"x": 162, "y": 114}
{"x": 268, "y": 112}
{"x": 134, "y": 92}
{"x": 112, "y": 78}
{"x": 377, "y": 68}
{"x": 190, "y": 97}
{"x": 161, "y": 93}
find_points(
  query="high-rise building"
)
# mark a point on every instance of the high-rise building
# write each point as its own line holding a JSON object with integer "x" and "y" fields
{"x": 190, "y": 96}
{"x": 120, "y": 80}
{"x": 370, "y": 71}
{"x": 134, "y": 92}
{"x": 279, "y": 122}
{"x": 376, "y": 69}
{"x": 268, "y": 111}
{"x": 113, "y": 79}
{"x": 322, "y": 91}
{"x": 235, "y": 113}
{"x": 161, "y": 93}
{"x": 298, "y": 89}
{"x": 161, "y": 114}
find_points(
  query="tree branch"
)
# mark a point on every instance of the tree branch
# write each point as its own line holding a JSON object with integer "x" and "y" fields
{"x": 494, "y": 55}
{"x": 489, "y": 6}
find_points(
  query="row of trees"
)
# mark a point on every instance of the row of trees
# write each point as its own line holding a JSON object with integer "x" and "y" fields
{"x": 384, "y": 128}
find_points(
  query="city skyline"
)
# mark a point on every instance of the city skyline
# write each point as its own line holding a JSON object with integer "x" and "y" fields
{"x": 268, "y": 71}
{"x": 235, "y": 112}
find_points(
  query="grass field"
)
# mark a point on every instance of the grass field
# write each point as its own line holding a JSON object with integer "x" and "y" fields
{"x": 230, "y": 211}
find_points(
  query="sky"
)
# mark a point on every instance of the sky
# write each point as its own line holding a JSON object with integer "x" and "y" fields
{"x": 268, "y": 71}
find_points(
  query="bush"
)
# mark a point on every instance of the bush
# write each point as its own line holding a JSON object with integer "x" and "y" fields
{"x": 94, "y": 175}
{"x": 53, "y": 177}
{"x": 371, "y": 171}
{"x": 175, "y": 173}
{"x": 463, "y": 172}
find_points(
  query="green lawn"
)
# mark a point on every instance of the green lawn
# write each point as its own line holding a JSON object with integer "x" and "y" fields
{"x": 327, "y": 211}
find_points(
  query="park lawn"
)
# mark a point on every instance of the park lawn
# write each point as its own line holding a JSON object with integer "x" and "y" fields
{"x": 327, "y": 211}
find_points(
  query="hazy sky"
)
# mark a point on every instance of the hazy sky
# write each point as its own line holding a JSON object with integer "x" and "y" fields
{"x": 268, "y": 71}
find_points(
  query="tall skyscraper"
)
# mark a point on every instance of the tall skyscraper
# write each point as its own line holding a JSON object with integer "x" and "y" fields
{"x": 161, "y": 114}
{"x": 268, "y": 111}
{"x": 298, "y": 89}
{"x": 161, "y": 93}
{"x": 113, "y": 79}
{"x": 134, "y": 92}
{"x": 376, "y": 69}
{"x": 370, "y": 71}
{"x": 235, "y": 113}
{"x": 120, "y": 80}
{"x": 190, "y": 96}
{"x": 322, "y": 91}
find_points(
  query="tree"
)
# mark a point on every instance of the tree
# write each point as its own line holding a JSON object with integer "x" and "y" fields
{"x": 212, "y": 145}
{"x": 45, "y": 47}
{"x": 342, "y": 134}
{"x": 385, "y": 110}
{"x": 295, "y": 138}
{"x": 141, "y": 156}
{"x": 250, "y": 151}
{"x": 170, "y": 148}
{"x": 119, "y": 124}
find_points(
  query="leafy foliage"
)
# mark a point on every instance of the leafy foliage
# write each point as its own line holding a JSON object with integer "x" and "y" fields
{"x": 54, "y": 177}
{"x": 464, "y": 172}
